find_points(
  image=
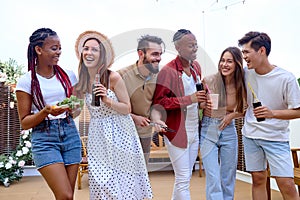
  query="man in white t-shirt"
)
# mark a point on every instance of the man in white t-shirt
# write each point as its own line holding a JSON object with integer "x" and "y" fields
{"x": 266, "y": 132}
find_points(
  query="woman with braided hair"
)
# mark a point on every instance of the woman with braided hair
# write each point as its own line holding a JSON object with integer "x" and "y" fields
{"x": 56, "y": 146}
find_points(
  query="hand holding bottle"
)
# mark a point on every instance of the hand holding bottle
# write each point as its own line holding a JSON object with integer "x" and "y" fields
{"x": 257, "y": 104}
{"x": 95, "y": 96}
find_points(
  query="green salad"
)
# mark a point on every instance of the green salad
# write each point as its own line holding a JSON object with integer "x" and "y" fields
{"x": 72, "y": 102}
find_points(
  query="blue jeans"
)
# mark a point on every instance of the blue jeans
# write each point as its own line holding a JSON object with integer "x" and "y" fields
{"x": 219, "y": 155}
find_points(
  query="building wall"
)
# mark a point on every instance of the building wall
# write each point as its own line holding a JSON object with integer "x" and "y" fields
{"x": 295, "y": 133}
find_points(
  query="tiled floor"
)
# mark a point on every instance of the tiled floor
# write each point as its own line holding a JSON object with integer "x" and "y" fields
{"x": 35, "y": 188}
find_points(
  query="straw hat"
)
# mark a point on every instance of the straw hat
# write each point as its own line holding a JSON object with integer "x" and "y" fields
{"x": 102, "y": 38}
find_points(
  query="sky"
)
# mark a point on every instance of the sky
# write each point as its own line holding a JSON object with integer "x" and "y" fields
{"x": 216, "y": 24}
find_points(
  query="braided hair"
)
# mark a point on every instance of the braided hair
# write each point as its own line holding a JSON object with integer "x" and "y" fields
{"x": 37, "y": 39}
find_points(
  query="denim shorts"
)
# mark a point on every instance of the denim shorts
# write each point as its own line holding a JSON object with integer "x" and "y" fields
{"x": 56, "y": 141}
{"x": 278, "y": 154}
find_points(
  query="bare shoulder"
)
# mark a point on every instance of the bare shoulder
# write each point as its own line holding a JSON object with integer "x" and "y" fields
{"x": 114, "y": 78}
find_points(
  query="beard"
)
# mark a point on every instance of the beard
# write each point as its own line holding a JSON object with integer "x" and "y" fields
{"x": 152, "y": 69}
{"x": 150, "y": 66}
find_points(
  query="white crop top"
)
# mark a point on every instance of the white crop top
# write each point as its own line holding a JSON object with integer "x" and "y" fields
{"x": 52, "y": 90}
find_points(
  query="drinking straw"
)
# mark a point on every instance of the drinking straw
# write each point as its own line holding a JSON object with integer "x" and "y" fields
{"x": 253, "y": 93}
{"x": 208, "y": 90}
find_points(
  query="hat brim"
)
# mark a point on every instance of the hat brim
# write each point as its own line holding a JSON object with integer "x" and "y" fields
{"x": 102, "y": 38}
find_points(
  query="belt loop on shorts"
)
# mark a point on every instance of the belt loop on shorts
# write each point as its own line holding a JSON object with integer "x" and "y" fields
{"x": 67, "y": 117}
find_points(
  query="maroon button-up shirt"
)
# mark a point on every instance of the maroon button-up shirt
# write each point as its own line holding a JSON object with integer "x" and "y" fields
{"x": 169, "y": 99}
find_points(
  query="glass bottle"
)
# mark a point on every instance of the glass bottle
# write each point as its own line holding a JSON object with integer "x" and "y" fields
{"x": 256, "y": 104}
{"x": 95, "y": 98}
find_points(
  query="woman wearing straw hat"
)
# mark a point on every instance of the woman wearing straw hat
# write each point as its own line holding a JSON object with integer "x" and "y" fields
{"x": 117, "y": 168}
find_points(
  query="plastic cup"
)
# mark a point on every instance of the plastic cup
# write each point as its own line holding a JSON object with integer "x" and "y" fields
{"x": 215, "y": 101}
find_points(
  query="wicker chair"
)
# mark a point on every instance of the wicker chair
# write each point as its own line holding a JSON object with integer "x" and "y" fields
{"x": 199, "y": 158}
{"x": 83, "y": 166}
{"x": 296, "y": 167}
{"x": 158, "y": 148}
{"x": 296, "y": 162}
{"x": 241, "y": 157}
{"x": 9, "y": 121}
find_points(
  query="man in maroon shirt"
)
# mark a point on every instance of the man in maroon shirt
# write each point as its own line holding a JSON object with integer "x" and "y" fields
{"x": 178, "y": 102}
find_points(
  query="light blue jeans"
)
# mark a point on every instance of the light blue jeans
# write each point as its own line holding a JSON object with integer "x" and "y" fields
{"x": 219, "y": 155}
{"x": 183, "y": 161}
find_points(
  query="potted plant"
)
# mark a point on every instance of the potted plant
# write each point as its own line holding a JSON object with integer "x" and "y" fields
{"x": 12, "y": 70}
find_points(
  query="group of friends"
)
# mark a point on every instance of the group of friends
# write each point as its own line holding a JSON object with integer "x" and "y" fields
{"x": 142, "y": 99}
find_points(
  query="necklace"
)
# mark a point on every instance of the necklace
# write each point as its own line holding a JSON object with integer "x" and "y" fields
{"x": 46, "y": 76}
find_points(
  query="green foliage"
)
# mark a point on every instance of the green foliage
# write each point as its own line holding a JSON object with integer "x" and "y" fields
{"x": 12, "y": 69}
{"x": 11, "y": 166}
{"x": 299, "y": 81}
{"x": 71, "y": 102}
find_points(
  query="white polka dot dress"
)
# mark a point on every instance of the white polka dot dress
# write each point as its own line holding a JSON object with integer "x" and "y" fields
{"x": 117, "y": 169}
